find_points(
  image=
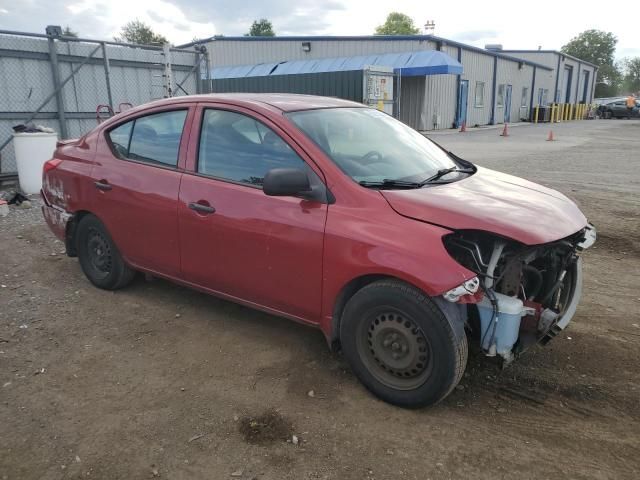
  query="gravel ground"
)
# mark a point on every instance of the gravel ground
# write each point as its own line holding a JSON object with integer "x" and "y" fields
{"x": 157, "y": 381}
{"x": 22, "y": 216}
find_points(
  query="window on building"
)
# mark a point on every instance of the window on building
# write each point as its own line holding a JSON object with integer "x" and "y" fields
{"x": 501, "y": 95}
{"x": 543, "y": 96}
{"x": 151, "y": 139}
{"x": 238, "y": 148}
{"x": 479, "y": 95}
{"x": 524, "y": 100}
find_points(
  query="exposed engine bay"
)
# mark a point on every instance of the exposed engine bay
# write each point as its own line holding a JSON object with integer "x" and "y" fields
{"x": 522, "y": 294}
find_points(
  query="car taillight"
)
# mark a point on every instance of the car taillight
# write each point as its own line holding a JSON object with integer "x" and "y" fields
{"x": 50, "y": 165}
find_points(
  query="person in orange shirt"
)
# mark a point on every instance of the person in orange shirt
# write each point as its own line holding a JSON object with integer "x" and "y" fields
{"x": 631, "y": 102}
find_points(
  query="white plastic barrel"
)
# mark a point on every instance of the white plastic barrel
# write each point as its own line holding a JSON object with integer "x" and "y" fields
{"x": 32, "y": 150}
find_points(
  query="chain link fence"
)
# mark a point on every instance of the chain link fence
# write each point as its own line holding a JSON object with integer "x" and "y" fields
{"x": 62, "y": 82}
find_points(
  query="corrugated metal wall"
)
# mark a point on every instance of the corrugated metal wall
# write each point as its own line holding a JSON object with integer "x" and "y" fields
{"x": 577, "y": 79}
{"x": 478, "y": 68}
{"x": 412, "y": 111}
{"x": 519, "y": 77}
{"x": 246, "y": 52}
{"x": 347, "y": 85}
{"x": 440, "y": 97}
{"x": 439, "y": 92}
{"x": 26, "y": 81}
{"x": 550, "y": 59}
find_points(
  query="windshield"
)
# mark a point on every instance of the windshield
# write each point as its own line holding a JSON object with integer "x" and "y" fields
{"x": 371, "y": 146}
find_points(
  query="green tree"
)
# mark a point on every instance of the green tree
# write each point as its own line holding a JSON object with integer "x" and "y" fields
{"x": 261, "y": 28}
{"x": 631, "y": 74}
{"x": 609, "y": 81}
{"x": 599, "y": 48}
{"x": 136, "y": 31}
{"x": 397, "y": 24}
{"x": 67, "y": 32}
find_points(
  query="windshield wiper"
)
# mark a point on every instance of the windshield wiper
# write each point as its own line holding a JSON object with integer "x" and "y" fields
{"x": 445, "y": 171}
{"x": 388, "y": 183}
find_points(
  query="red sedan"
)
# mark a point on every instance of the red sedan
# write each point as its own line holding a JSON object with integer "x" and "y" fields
{"x": 331, "y": 214}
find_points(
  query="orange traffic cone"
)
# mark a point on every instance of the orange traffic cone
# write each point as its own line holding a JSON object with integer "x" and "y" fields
{"x": 463, "y": 127}
{"x": 550, "y": 137}
{"x": 505, "y": 131}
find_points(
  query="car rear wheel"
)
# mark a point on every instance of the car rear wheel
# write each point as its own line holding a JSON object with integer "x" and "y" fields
{"x": 400, "y": 345}
{"x": 99, "y": 257}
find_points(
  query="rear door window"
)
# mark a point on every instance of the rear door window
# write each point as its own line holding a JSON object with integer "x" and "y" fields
{"x": 238, "y": 148}
{"x": 153, "y": 139}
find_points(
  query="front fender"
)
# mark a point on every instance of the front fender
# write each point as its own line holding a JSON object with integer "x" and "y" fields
{"x": 392, "y": 246}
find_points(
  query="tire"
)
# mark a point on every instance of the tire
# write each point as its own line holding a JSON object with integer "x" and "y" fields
{"x": 99, "y": 257}
{"x": 400, "y": 345}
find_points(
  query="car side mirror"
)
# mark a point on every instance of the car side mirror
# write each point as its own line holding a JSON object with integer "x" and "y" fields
{"x": 286, "y": 182}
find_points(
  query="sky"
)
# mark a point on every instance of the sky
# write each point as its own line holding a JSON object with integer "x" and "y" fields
{"x": 514, "y": 24}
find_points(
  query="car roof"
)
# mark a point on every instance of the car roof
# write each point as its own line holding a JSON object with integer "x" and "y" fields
{"x": 286, "y": 102}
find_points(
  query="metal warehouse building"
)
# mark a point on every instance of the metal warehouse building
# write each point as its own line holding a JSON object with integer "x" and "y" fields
{"x": 464, "y": 84}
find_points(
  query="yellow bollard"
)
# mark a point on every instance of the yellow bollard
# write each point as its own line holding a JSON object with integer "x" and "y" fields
{"x": 535, "y": 115}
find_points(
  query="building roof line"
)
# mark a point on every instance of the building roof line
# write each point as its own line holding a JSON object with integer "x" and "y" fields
{"x": 383, "y": 38}
{"x": 410, "y": 64}
{"x": 584, "y": 62}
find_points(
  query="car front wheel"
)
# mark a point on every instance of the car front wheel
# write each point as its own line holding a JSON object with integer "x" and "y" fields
{"x": 99, "y": 257}
{"x": 400, "y": 345}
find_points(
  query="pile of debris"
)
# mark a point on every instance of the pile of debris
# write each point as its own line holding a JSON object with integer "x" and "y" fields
{"x": 12, "y": 197}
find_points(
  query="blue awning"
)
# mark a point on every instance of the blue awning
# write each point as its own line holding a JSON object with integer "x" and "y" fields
{"x": 430, "y": 62}
{"x": 409, "y": 64}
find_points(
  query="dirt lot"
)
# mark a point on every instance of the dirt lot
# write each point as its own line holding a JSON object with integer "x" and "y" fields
{"x": 160, "y": 381}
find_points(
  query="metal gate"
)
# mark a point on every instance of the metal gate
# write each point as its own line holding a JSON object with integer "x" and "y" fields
{"x": 378, "y": 88}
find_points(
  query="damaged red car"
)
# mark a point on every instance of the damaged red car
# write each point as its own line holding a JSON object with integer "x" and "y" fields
{"x": 331, "y": 214}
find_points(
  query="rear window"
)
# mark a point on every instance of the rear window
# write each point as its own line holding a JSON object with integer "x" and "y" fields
{"x": 153, "y": 139}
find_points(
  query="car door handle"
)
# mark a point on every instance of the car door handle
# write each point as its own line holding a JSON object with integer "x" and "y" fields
{"x": 199, "y": 207}
{"x": 102, "y": 185}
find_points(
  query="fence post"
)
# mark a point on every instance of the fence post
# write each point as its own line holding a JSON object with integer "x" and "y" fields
{"x": 55, "y": 73}
{"x": 198, "y": 71}
{"x": 167, "y": 76}
{"x": 107, "y": 73}
{"x": 207, "y": 65}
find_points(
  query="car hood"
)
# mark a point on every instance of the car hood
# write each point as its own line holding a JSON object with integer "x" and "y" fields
{"x": 494, "y": 202}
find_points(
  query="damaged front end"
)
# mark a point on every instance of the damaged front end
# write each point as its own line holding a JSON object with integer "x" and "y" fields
{"x": 523, "y": 294}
